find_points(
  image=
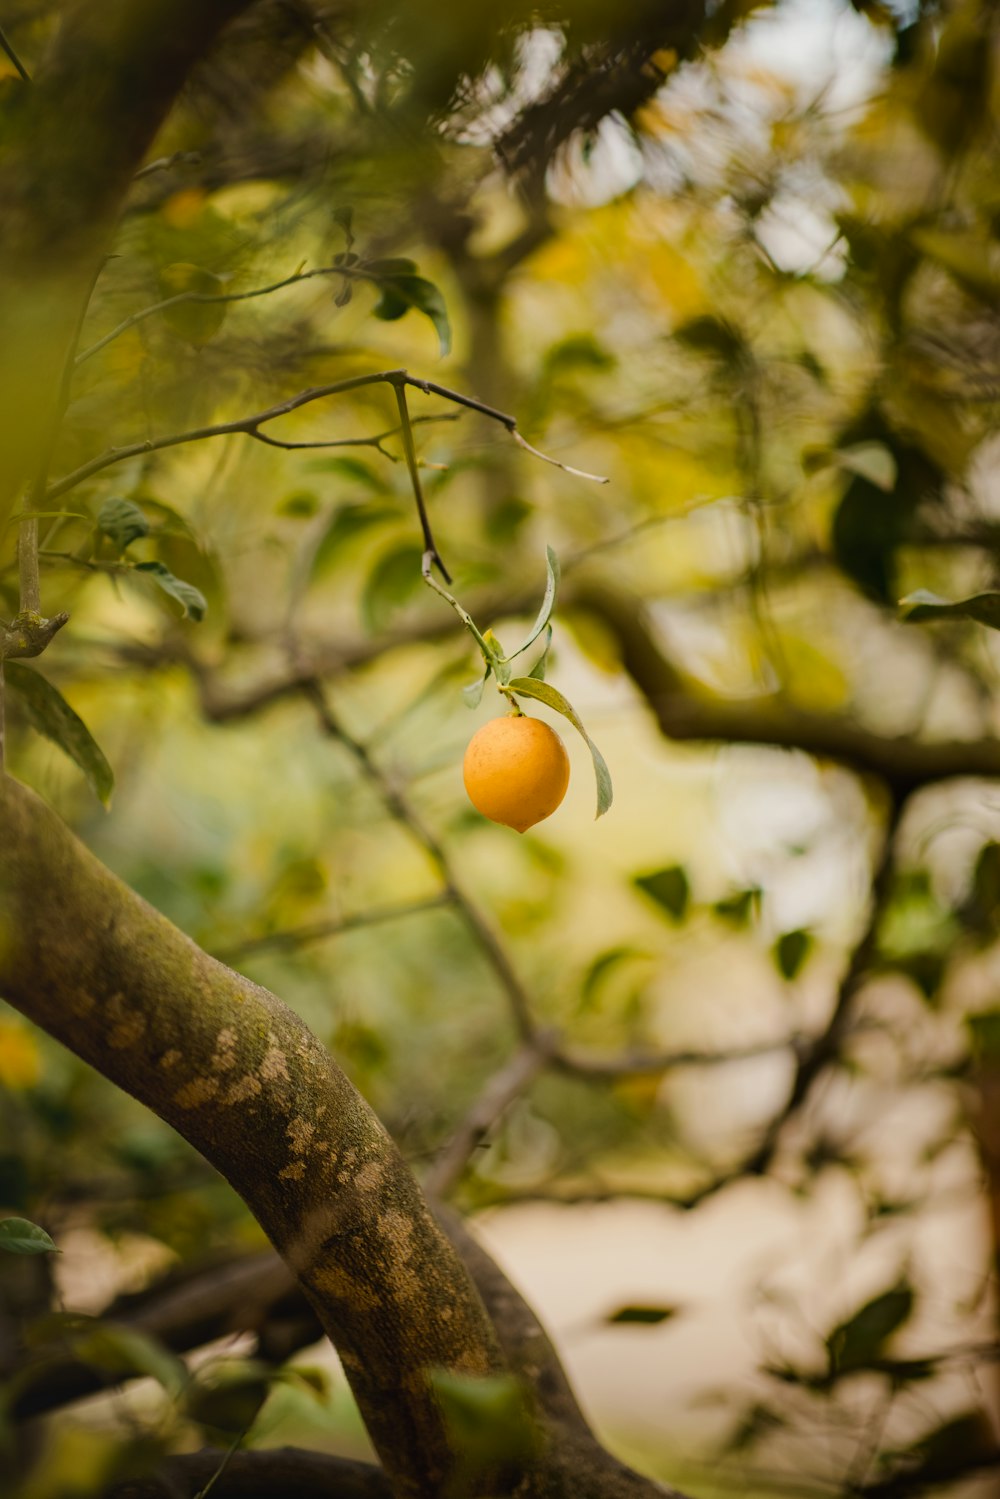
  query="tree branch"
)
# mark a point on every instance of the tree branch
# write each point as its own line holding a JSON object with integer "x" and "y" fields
{"x": 684, "y": 712}
{"x": 226, "y": 1063}
{"x": 283, "y": 1471}
{"x": 250, "y": 424}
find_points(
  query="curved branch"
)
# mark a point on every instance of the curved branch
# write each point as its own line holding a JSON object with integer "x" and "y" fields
{"x": 243, "y": 1079}
{"x": 683, "y": 713}
{"x": 258, "y": 1475}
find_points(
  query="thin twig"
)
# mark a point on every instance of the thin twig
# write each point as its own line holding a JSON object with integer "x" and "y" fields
{"x": 430, "y": 546}
{"x": 322, "y": 931}
{"x": 399, "y": 806}
{"x": 496, "y": 1097}
{"x": 19, "y": 65}
{"x": 179, "y": 298}
{"x": 250, "y": 424}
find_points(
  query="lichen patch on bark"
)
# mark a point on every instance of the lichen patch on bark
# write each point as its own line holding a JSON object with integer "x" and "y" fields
{"x": 275, "y": 1063}
{"x": 241, "y": 1090}
{"x": 197, "y": 1092}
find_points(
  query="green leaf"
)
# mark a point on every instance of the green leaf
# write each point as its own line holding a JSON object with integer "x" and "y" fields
{"x": 122, "y": 521}
{"x": 854, "y": 1344}
{"x": 400, "y": 293}
{"x": 645, "y": 1316}
{"x": 192, "y": 600}
{"x": 230, "y": 1402}
{"x": 715, "y": 336}
{"x": 473, "y": 694}
{"x": 18, "y": 1236}
{"x": 544, "y": 693}
{"x": 790, "y": 952}
{"x": 548, "y": 602}
{"x": 922, "y": 605}
{"x": 740, "y": 908}
{"x": 669, "y": 888}
{"x": 497, "y": 659}
{"x": 954, "y": 1448}
{"x": 487, "y": 1417}
{"x": 51, "y": 715}
{"x": 392, "y": 581}
{"x": 126, "y": 1351}
{"x": 538, "y": 670}
{"x": 392, "y": 265}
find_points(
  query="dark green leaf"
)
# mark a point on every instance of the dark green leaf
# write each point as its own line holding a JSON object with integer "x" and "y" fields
{"x": 392, "y": 265}
{"x": 712, "y": 335}
{"x": 400, "y": 293}
{"x": 669, "y": 888}
{"x": 740, "y": 908}
{"x": 544, "y": 693}
{"x": 854, "y": 1344}
{"x": 952, "y": 1449}
{"x": 790, "y": 952}
{"x": 393, "y": 580}
{"x": 229, "y": 1404}
{"x": 122, "y": 521}
{"x": 646, "y": 1316}
{"x": 922, "y": 605}
{"x": 548, "y": 602}
{"x": 51, "y": 715}
{"x": 18, "y": 1236}
{"x": 191, "y": 599}
{"x": 126, "y": 1351}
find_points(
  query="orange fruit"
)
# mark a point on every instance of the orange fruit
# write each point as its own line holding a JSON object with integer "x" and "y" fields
{"x": 516, "y": 771}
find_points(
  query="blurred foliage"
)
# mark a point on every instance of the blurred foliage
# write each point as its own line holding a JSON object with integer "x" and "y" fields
{"x": 758, "y": 291}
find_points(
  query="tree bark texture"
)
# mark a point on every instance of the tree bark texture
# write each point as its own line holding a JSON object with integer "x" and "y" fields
{"x": 243, "y": 1079}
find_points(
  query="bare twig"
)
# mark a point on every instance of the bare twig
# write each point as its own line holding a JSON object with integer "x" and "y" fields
{"x": 430, "y": 546}
{"x": 496, "y": 1097}
{"x": 18, "y": 64}
{"x": 399, "y": 806}
{"x": 250, "y": 424}
{"x": 181, "y": 297}
{"x": 321, "y": 931}
{"x": 259, "y": 1475}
